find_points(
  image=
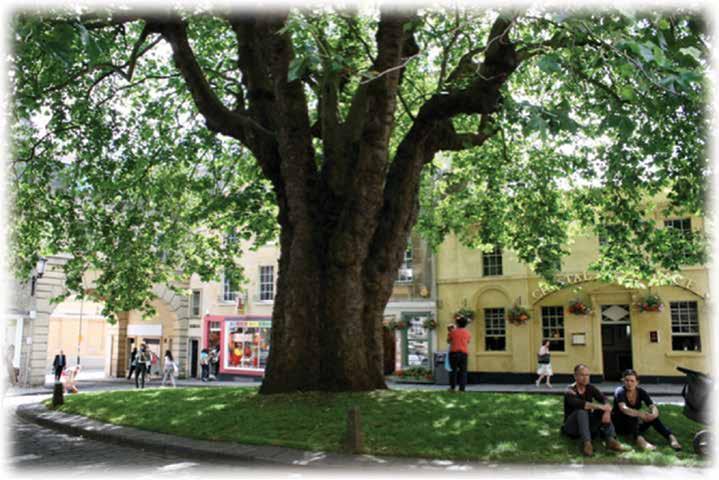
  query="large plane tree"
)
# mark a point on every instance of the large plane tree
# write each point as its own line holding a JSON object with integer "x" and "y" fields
{"x": 146, "y": 143}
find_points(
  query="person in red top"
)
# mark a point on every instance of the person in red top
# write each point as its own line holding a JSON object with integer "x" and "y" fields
{"x": 458, "y": 339}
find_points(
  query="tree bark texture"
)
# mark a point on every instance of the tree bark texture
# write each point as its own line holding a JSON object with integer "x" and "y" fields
{"x": 344, "y": 221}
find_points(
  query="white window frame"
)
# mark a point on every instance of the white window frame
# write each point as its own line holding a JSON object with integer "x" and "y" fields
{"x": 227, "y": 295}
{"x": 198, "y": 305}
{"x": 405, "y": 274}
{"x": 550, "y": 324}
{"x": 681, "y": 314}
{"x": 684, "y": 225}
{"x": 267, "y": 283}
{"x": 495, "y": 326}
{"x": 490, "y": 265}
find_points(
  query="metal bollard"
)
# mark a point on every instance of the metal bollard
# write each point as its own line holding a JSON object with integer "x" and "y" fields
{"x": 57, "y": 394}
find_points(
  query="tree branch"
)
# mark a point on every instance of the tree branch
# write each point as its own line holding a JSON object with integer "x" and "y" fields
{"x": 218, "y": 117}
{"x": 446, "y": 50}
{"x": 449, "y": 140}
{"x": 605, "y": 88}
{"x": 136, "y": 54}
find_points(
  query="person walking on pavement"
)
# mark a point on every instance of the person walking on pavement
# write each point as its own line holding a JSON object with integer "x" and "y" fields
{"x": 544, "y": 367}
{"x": 59, "y": 365}
{"x": 133, "y": 362}
{"x": 142, "y": 359}
{"x": 152, "y": 361}
{"x": 205, "y": 364}
{"x": 458, "y": 339}
{"x": 170, "y": 369}
{"x": 587, "y": 411}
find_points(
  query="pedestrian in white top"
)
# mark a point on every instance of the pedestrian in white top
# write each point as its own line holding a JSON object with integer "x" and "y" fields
{"x": 170, "y": 369}
{"x": 544, "y": 364}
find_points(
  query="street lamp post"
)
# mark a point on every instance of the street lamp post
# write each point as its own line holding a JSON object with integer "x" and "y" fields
{"x": 79, "y": 333}
{"x": 39, "y": 272}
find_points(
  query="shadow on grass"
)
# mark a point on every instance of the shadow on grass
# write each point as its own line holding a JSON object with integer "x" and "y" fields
{"x": 498, "y": 427}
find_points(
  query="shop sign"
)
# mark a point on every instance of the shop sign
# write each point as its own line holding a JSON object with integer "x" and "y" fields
{"x": 563, "y": 281}
{"x": 250, "y": 324}
{"x": 568, "y": 279}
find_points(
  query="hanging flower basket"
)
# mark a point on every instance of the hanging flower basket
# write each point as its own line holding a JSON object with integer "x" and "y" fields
{"x": 464, "y": 313}
{"x": 579, "y": 307}
{"x": 430, "y": 324}
{"x": 394, "y": 324}
{"x": 518, "y": 315}
{"x": 650, "y": 303}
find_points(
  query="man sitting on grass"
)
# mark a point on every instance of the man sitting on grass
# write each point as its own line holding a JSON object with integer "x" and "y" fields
{"x": 587, "y": 412}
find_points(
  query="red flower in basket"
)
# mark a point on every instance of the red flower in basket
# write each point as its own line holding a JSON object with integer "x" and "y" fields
{"x": 651, "y": 303}
{"x": 577, "y": 307}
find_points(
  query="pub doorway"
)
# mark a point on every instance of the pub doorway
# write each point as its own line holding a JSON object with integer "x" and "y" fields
{"x": 616, "y": 340}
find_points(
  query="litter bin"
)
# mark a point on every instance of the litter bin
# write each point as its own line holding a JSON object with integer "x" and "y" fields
{"x": 441, "y": 375}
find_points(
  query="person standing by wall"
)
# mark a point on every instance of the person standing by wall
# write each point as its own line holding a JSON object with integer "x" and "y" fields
{"x": 544, "y": 367}
{"x": 59, "y": 364}
{"x": 216, "y": 361}
{"x": 142, "y": 359}
{"x": 170, "y": 369}
{"x": 458, "y": 339}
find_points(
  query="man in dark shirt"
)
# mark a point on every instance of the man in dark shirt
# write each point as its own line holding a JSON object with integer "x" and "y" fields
{"x": 59, "y": 364}
{"x": 587, "y": 411}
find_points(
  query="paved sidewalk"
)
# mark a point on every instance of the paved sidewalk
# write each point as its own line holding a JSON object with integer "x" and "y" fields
{"x": 655, "y": 390}
{"x": 274, "y": 456}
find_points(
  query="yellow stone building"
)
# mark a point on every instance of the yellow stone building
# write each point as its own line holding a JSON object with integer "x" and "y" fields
{"x": 78, "y": 328}
{"x": 616, "y": 333}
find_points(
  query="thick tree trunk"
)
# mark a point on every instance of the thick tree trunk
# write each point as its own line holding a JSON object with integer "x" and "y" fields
{"x": 327, "y": 328}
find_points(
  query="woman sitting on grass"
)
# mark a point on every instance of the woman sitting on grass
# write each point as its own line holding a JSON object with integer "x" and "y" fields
{"x": 628, "y": 418}
{"x": 70, "y": 377}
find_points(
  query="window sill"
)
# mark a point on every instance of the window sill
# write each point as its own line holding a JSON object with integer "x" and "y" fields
{"x": 264, "y": 302}
{"x": 684, "y": 353}
{"x": 494, "y": 353}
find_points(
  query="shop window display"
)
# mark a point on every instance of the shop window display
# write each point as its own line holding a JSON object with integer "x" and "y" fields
{"x": 247, "y": 344}
{"x": 213, "y": 336}
{"x": 417, "y": 342}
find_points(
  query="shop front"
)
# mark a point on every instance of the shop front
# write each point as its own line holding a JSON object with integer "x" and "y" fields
{"x": 410, "y": 337}
{"x": 242, "y": 340}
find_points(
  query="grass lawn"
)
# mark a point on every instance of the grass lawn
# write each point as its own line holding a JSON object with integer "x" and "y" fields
{"x": 511, "y": 428}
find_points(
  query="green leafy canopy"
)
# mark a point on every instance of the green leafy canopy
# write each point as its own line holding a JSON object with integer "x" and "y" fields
{"x": 112, "y": 163}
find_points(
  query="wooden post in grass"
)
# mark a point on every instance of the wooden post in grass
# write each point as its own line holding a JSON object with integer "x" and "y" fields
{"x": 57, "y": 394}
{"x": 354, "y": 440}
